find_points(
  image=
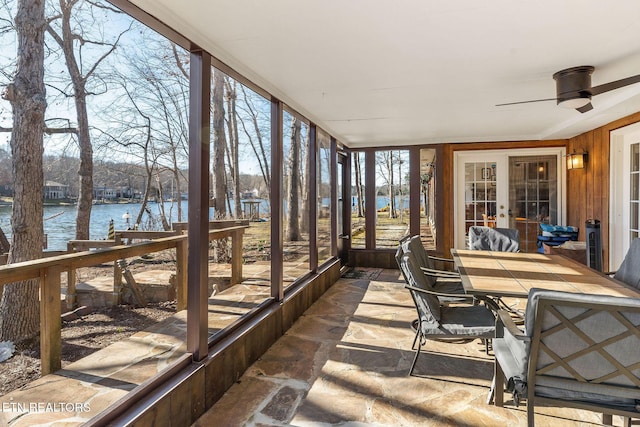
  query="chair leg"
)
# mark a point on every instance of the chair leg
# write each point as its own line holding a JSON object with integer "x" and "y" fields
{"x": 498, "y": 385}
{"x": 415, "y": 358}
{"x": 626, "y": 421}
{"x": 415, "y": 325}
{"x": 530, "y": 414}
{"x": 487, "y": 345}
{"x": 492, "y": 391}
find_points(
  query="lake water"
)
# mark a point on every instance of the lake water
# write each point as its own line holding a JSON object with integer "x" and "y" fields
{"x": 60, "y": 221}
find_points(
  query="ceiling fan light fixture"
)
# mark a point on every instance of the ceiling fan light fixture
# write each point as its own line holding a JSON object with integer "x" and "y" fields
{"x": 574, "y": 103}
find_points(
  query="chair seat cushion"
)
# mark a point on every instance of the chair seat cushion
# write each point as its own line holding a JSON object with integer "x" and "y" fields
{"x": 563, "y": 393}
{"x": 473, "y": 321}
{"x": 512, "y": 355}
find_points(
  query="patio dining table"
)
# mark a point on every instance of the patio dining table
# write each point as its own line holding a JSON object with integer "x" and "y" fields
{"x": 509, "y": 274}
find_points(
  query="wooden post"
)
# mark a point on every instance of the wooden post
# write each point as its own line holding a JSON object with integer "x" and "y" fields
{"x": 181, "y": 275}
{"x": 236, "y": 256}
{"x": 199, "y": 158}
{"x": 50, "y": 320}
{"x": 71, "y": 281}
{"x": 117, "y": 276}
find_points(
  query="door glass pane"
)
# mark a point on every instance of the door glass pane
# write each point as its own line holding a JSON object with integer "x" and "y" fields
{"x": 532, "y": 196}
{"x": 634, "y": 190}
{"x": 480, "y": 194}
{"x": 633, "y": 216}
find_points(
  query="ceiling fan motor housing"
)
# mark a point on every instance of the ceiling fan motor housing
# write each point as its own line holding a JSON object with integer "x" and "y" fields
{"x": 574, "y": 82}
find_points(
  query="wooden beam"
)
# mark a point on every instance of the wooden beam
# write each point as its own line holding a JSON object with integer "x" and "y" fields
{"x": 277, "y": 285}
{"x": 236, "y": 256}
{"x": 414, "y": 191}
{"x": 199, "y": 157}
{"x": 313, "y": 197}
{"x": 181, "y": 275}
{"x": 371, "y": 212}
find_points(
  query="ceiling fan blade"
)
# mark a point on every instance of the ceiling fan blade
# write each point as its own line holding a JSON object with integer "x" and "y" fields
{"x": 596, "y": 90}
{"x": 585, "y": 108}
{"x": 527, "y": 102}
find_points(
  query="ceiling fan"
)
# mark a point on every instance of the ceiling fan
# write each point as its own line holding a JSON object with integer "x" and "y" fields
{"x": 574, "y": 90}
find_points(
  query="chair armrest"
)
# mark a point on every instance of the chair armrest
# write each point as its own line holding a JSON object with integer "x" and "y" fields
{"x": 440, "y": 294}
{"x": 439, "y": 273}
{"x": 504, "y": 321}
{"x": 437, "y": 258}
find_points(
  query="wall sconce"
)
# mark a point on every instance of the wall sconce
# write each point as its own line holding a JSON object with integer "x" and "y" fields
{"x": 576, "y": 160}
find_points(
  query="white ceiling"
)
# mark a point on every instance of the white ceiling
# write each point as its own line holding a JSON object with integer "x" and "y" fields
{"x": 380, "y": 72}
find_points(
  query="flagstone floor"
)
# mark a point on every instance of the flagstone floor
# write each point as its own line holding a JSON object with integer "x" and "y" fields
{"x": 345, "y": 362}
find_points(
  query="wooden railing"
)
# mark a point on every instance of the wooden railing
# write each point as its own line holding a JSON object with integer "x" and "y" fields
{"x": 48, "y": 271}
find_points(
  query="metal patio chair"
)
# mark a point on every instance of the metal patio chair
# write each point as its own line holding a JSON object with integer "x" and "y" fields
{"x": 458, "y": 323}
{"x": 576, "y": 350}
{"x": 629, "y": 270}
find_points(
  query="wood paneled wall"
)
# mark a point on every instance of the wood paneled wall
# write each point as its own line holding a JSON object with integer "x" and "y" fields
{"x": 588, "y": 189}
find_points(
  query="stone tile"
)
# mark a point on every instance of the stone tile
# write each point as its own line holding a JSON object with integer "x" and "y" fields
{"x": 70, "y": 402}
{"x": 239, "y": 404}
{"x": 345, "y": 362}
{"x": 292, "y": 358}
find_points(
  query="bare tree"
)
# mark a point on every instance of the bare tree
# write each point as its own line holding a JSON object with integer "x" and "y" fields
{"x": 72, "y": 43}
{"x": 19, "y": 309}
{"x": 385, "y": 164}
{"x": 254, "y": 135}
{"x": 167, "y": 96}
{"x": 148, "y": 120}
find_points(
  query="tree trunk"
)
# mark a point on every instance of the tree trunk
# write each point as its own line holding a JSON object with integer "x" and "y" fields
{"x": 19, "y": 307}
{"x": 85, "y": 172}
{"x": 293, "y": 196}
{"x": 178, "y": 190}
{"x": 219, "y": 143}
{"x": 359, "y": 192}
{"x": 163, "y": 214}
{"x": 234, "y": 143}
{"x": 392, "y": 198}
{"x": 304, "y": 187}
{"x": 221, "y": 247}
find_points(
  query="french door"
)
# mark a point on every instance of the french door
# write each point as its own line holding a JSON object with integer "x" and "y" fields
{"x": 624, "y": 213}
{"x": 508, "y": 189}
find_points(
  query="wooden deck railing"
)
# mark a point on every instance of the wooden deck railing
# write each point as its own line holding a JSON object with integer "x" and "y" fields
{"x": 48, "y": 271}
